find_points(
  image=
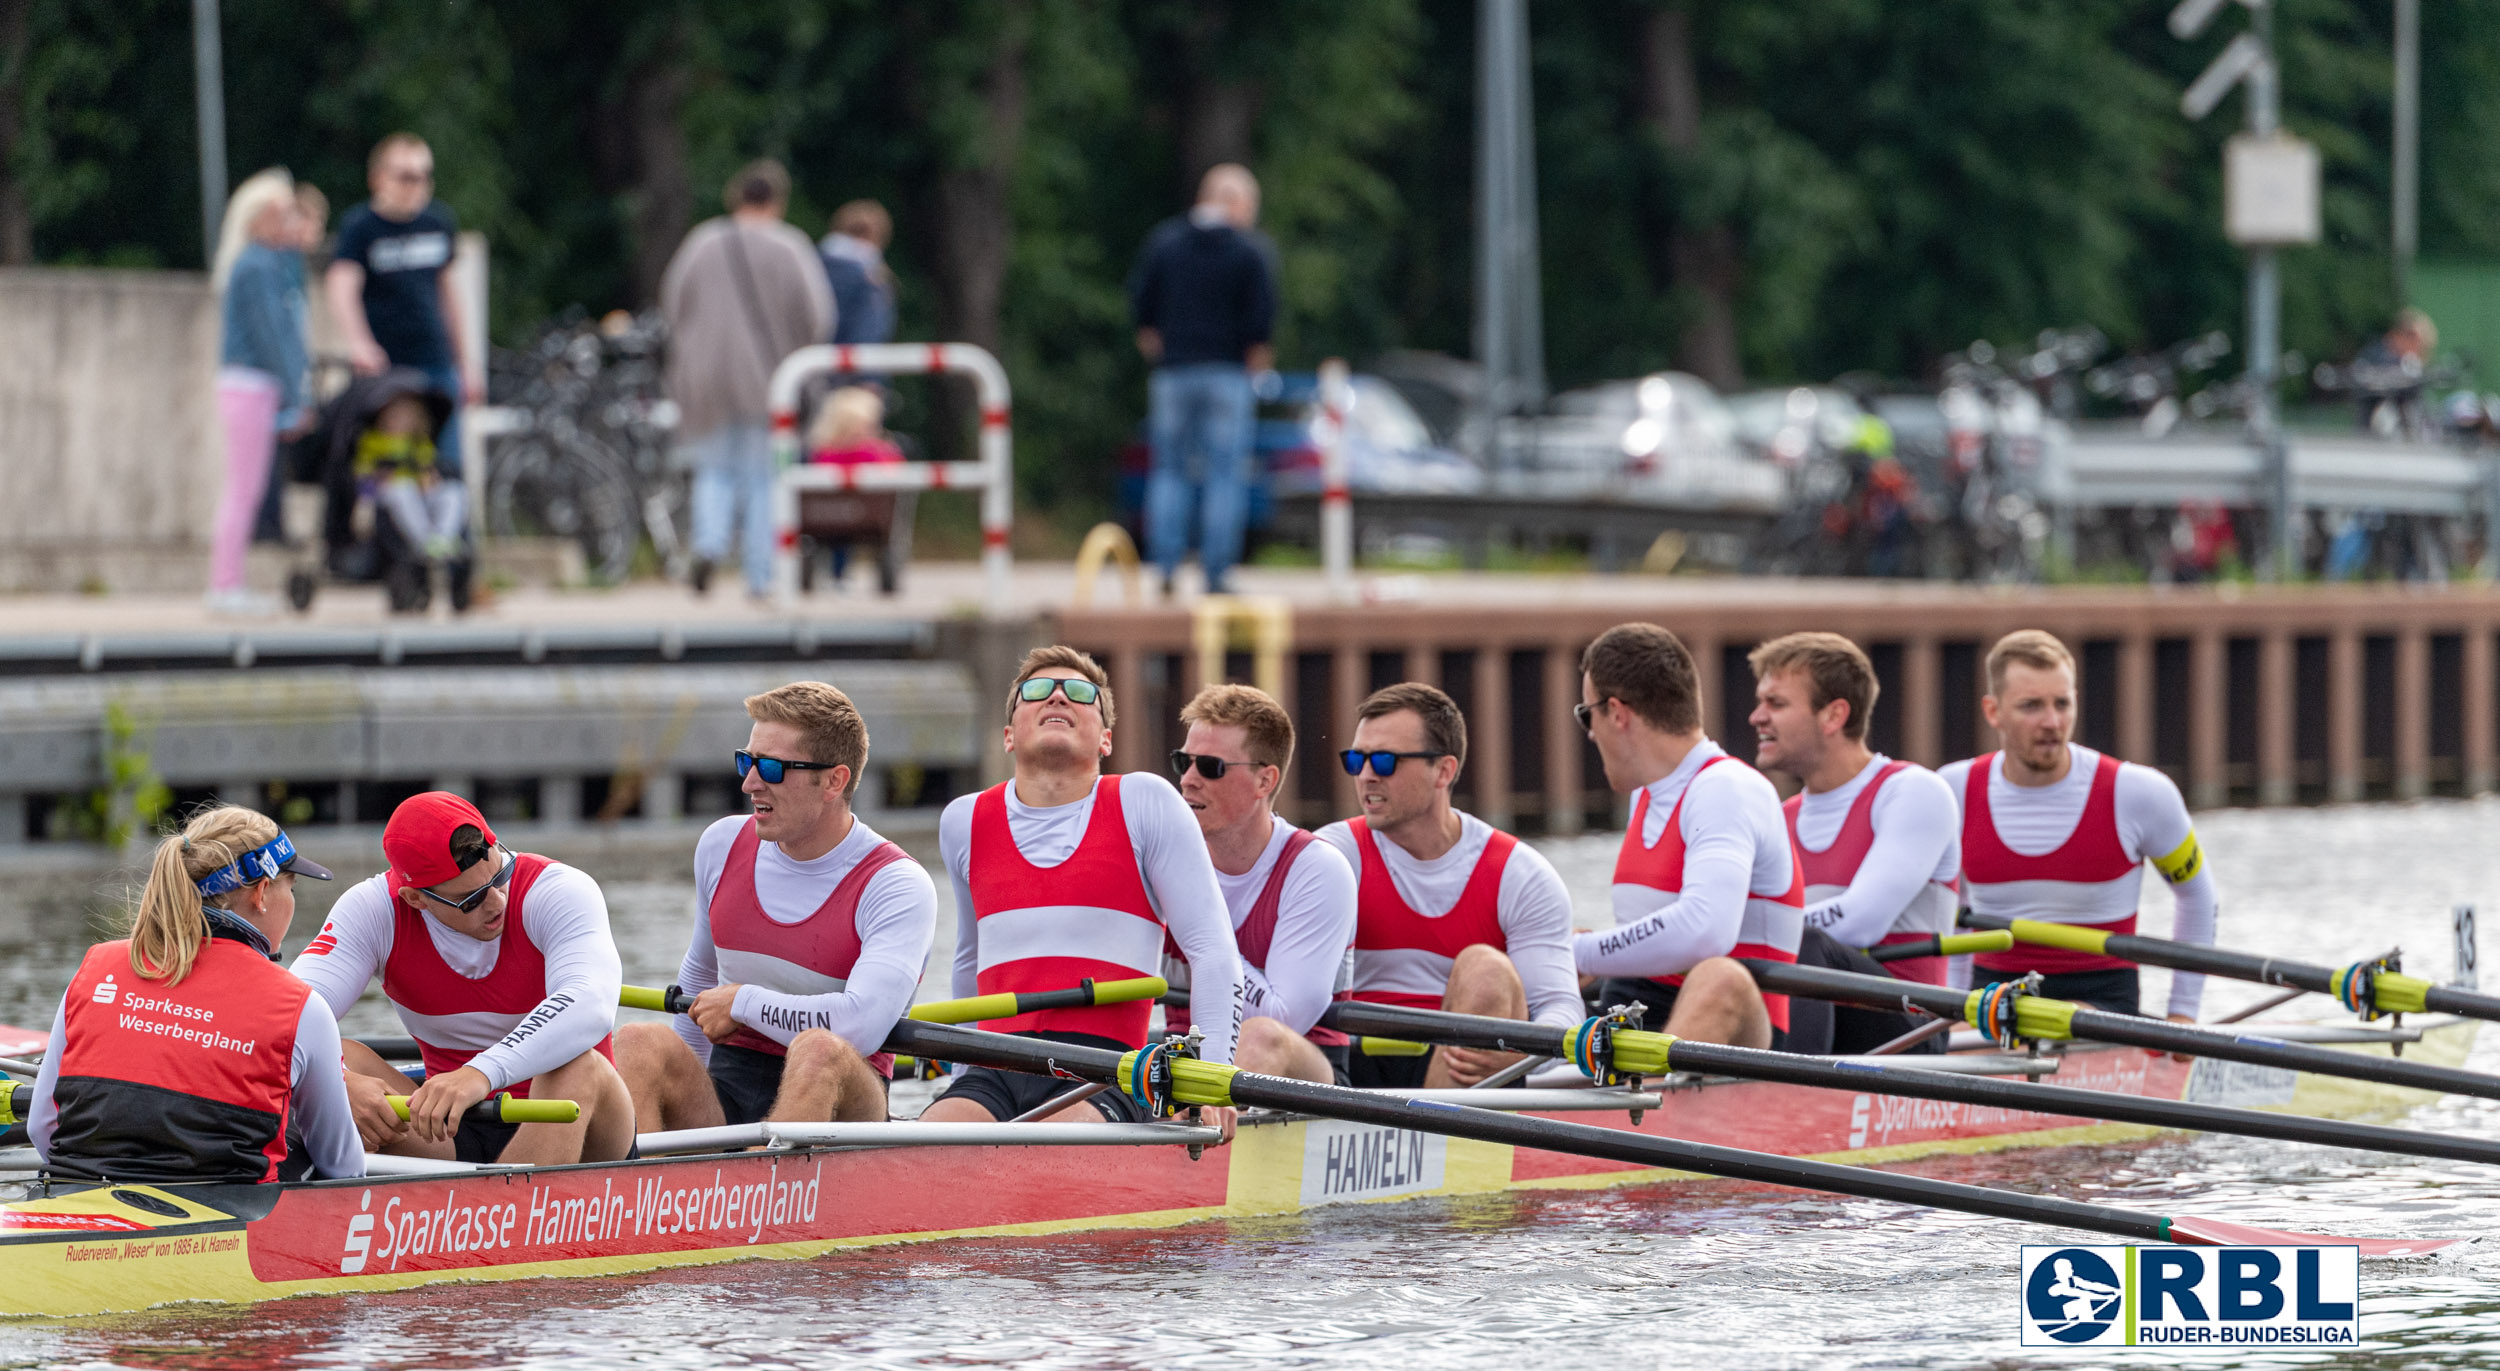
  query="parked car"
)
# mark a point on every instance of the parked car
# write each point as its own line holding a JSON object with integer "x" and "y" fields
{"x": 1389, "y": 450}
{"x": 1664, "y": 438}
{"x": 1791, "y": 424}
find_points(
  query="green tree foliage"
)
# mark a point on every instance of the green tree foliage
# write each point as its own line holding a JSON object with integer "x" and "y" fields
{"x": 1854, "y": 184}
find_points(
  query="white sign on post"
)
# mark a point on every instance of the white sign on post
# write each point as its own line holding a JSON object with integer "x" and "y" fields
{"x": 2467, "y": 957}
{"x": 2270, "y": 191}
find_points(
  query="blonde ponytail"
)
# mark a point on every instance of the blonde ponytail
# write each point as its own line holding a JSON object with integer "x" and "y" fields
{"x": 167, "y": 927}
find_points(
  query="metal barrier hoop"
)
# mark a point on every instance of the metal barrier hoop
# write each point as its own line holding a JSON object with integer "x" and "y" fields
{"x": 993, "y": 474}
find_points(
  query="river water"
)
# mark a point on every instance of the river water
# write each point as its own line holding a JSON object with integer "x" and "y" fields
{"x": 1708, "y": 1274}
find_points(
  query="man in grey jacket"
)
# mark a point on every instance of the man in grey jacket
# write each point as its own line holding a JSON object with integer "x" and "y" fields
{"x": 743, "y": 292}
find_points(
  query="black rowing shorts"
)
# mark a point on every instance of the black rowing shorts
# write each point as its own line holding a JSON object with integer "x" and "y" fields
{"x": 1008, "y": 1095}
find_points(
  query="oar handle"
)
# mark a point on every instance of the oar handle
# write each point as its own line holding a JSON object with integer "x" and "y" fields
{"x": 1008, "y": 1004}
{"x": 10, "y": 1112}
{"x": 1391, "y": 1047}
{"x": 506, "y": 1109}
{"x": 1944, "y": 945}
{"x": 669, "y": 1001}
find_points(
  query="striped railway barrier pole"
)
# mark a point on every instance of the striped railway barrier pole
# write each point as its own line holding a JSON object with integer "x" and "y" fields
{"x": 993, "y": 473}
{"x": 1336, "y": 493}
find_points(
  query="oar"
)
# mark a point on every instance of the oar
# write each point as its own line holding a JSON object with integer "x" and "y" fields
{"x": 1942, "y": 945}
{"x": 2368, "y": 988}
{"x": 505, "y": 1109}
{"x": 1622, "y": 1051}
{"x": 2003, "y": 1012}
{"x": 970, "y": 1009}
{"x": 1164, "y": 1080}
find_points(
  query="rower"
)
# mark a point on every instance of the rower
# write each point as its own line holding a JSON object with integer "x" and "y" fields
{"x": 1706, "y": 872}
{"x": 1291, "y": 897}
{"x": 2052, "y": 830}
{"x": 1063, "y": 874}
{"x": 182, "y": 1052}
{"x": 1879, "y": 839}
{"x": 1450, "y": 913}
{"x": 501, "y": 967}
{"x": 810, "y": 932}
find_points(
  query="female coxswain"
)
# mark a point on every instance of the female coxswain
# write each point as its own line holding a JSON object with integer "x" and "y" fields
{"x": 184, "y": 1052}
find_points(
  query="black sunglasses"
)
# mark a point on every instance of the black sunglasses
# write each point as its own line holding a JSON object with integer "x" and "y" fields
{"x": 465, "y": 903}
{"x": 1382, "y": 763}
{"x": 1583, "y": 712}
{"x": 1213, "y": 768}
{"x": 1078, "y": 690}
{"x": 774, "y": 768}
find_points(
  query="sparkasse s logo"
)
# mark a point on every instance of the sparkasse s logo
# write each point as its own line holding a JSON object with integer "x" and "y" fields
{"x": 105, "y": 991}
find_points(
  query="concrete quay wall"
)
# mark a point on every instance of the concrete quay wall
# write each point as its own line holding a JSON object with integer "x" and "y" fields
{"x": 110, "y": 455}
{"x": 555, "y": 746}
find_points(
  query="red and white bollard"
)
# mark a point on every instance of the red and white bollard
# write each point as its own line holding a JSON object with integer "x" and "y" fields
{"x": 1336, "y": 497}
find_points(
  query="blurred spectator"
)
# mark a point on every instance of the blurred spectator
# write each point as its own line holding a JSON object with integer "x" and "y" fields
{"x": 1203, "y": 294}
{"x": 259, "y": 274}
{"x": 388, "y": 284}
{"x": 312, "y": 224}
{"x": 741, "y": 293}
{"x": 849, "y": 431}
{"x": 2390, "y": 370}
{"x": 863, "y": 289}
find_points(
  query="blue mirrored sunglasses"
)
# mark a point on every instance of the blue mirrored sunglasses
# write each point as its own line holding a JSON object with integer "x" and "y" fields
{"x": 1382, "y": 763}
{"x": 773, "y": 769}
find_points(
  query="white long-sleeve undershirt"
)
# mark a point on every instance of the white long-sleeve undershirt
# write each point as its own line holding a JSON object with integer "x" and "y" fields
{"x": 1735, "y": 843}
{"x": 1533, "y": 906}
{"x": 1314, "y": 926}
{"x": 1179, "y": 878}
{"x": 2153, "y": 823}
{"x": 896, "y": 922}
{"x": 318, "y": 1113}
{"x": 1918, "y": 841}
{"x": 567, "y": 921}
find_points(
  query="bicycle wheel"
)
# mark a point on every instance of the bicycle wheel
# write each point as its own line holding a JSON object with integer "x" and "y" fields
{"x": 561, "y": 486}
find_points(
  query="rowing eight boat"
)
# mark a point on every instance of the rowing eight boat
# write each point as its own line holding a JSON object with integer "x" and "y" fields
{"x": 69, "y": 1250}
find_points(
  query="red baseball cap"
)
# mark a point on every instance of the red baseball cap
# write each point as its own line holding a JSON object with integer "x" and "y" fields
{"x": 420, "y": 839}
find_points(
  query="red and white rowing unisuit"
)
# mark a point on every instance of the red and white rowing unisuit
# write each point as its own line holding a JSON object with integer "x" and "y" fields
{"x": 1049, "y": 927}
{"x": 454, "y": 1017}
{"x": 2088, "y": 879}
{"x": 1255, "y": 935}
{"x": 811, "y": 957}
{"x": 1830, "y": 872}
{"x": 1404, "y": 958}
{"x": 1774, "y": 920}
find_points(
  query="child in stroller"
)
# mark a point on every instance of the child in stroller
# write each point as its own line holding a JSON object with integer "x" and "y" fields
{"x": 373, "y": 452}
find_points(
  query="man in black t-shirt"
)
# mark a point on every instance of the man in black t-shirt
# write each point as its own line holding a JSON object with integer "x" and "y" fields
{"x": 1204, "y": 297}
{"x": 389, "y": 282}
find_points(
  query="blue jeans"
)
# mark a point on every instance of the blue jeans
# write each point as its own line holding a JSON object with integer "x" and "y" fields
{"x": 1199, "y": 421}
{"x": 733, "y": 484}
{"x": 446, "y": 378}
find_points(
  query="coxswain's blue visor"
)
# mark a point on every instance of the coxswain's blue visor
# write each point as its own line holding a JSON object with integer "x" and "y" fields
{"x": 260, "y": 864}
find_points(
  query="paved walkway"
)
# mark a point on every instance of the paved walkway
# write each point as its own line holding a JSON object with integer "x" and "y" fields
{"x": 947, "y": 590}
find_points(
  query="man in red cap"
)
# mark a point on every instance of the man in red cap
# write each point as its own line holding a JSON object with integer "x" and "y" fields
{"x": 501, "y": 966}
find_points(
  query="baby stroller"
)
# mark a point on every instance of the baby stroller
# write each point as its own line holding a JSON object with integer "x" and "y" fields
{"x": 360, "y": 543}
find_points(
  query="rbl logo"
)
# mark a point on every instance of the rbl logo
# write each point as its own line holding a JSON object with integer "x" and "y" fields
{"x": 2191, "y": 1296}
{"x": 105, "y": 991}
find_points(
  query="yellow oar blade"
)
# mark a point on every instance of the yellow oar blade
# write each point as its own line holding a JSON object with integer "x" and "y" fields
{"x": 975, "y": 1008}
{"x": 510, "y": 1110}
